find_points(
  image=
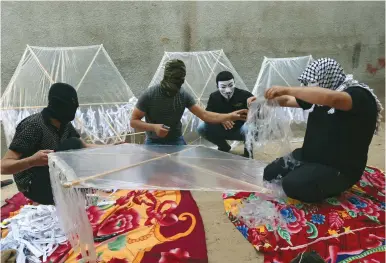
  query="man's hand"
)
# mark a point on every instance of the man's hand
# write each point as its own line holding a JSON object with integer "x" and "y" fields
{"x": 228, "y": 125}
{"x": 40, "y": 158}
{"x": 160, "y": 130}
{"x": 276, "y": 91}
{"x": 239, "y": 115}
{"x": 250, "y": 100}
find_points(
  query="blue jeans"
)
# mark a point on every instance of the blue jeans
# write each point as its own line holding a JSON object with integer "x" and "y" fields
{"x": 216, "y": 134}
{"x": 177, "y": 141}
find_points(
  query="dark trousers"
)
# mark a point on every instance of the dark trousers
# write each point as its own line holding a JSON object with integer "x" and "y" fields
{"x": 307, "y": 182}
{"x": 40, "y": 190}
{"x": 216, "y": 134}
{"x": 177, "y": 141}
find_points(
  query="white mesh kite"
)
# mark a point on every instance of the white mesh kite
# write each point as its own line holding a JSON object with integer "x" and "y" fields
{"x": 106, "y": 101}
{"x": 201, "y": 71}
{"x": 282, "y": 72}
{"x": 136, "y": 167}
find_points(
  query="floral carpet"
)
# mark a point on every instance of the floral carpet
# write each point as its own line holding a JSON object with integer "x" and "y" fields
{"x": 349, "y": 228}
{"x": 144, "y": 226}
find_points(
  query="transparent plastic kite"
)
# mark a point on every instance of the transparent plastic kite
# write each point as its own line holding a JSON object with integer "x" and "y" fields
{"x": 282, "y": 72}
{"x": 106, "y": 101}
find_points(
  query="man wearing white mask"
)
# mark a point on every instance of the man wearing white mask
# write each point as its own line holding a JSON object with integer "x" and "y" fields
{"x": 226, "y": 99}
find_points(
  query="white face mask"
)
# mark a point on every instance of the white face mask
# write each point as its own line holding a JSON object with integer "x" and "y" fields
{"x": 226, "y": 88}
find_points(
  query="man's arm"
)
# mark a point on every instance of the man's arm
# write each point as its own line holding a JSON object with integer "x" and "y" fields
{"x": 287, "y": 101}
{"x": 314, "y": 95}
{"x": 137, "y": 123}
{"x": 12, "y": 164}
{"x": 283, "y": 101}
{"x": 212, "y": 117}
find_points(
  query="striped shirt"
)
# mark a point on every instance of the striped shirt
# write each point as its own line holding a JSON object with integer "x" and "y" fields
{"x": 162, "y": 109}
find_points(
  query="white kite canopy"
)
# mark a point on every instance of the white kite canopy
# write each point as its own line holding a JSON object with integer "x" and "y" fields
{"x": 106, "y": 101}
{"x": 201, "y": 71}
{"x": 77, "y": 175}
{"x": 282, "y": 72}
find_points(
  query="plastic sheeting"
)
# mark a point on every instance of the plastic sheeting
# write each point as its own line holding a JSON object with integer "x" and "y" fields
{"x": 131, "y": 166}
{"x": 201, "y": 71}
{"x": 141, "y": 167}
{"x": 282, "y": 72}
{"x": 106, "y": 101}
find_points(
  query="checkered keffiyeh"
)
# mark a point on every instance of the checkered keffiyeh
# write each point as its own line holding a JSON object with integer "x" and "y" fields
{"x": 329, "y": 74}
{"x": 325, "y": 71}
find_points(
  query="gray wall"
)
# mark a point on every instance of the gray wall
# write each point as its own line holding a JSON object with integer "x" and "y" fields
{"x": 136, "y": 34}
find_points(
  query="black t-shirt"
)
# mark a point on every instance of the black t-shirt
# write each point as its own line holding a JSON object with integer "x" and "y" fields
{"x": 341, "y": 140}
{"x": 33, "y": 134}
{"x": 217, "y": 103}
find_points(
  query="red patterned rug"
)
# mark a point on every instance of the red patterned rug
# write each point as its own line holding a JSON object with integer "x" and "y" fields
{"x": 349, "y": 228}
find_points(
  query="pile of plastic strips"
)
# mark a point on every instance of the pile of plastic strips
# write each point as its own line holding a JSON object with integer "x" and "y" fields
{"x": 35, "y": 233}
{"x": 269, "y": 128}
{"x": 258, "y": 212}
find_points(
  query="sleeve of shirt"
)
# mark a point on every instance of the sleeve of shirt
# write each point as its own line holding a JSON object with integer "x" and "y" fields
{"x": 143, "y": 102}
{"x": 248, "y": 94}
{"x": 26, "y": 139}
{"x": 303, "y": 104}
{"x": 362, "y": 100}
{"x": 72, "y": 131}
{"x": 189, "y": 100}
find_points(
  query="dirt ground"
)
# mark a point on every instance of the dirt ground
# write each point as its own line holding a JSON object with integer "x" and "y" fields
{"x": 224, "y": 242}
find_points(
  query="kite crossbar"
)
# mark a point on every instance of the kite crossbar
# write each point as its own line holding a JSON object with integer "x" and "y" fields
{"x": 79, "y": 181}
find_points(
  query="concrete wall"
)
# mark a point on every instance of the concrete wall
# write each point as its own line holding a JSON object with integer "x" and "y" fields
{"x": 136, "y": 34}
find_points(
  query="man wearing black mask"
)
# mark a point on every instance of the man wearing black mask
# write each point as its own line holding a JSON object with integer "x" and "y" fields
{"x": 38, "y": 135}
{"x": 163, "y": 106}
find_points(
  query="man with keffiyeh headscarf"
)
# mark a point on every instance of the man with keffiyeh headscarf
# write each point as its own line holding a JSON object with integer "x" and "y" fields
{"x": 163, "y": 106}
{"x": 344, "y": 115}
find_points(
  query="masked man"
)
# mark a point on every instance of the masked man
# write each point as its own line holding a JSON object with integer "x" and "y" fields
{"x": 226, "y": 99}
{"x": 344, "y": 116}
{"x": 38, "y": 135}
{"x": 163, "y": 106}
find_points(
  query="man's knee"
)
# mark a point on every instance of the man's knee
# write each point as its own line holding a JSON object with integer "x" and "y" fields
{"x": 271, "y": 171}
{"x": 303, "y": 192}
{"x": 72, "y": 143}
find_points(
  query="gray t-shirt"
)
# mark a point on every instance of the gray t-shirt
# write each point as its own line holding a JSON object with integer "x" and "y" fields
{"x": 162, "y": 109}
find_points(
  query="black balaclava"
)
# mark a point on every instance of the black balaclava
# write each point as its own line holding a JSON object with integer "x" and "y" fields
{"x": 227, "y": 85}
{"x": 174, "y": 77}
{"x": 62, "y": 102}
